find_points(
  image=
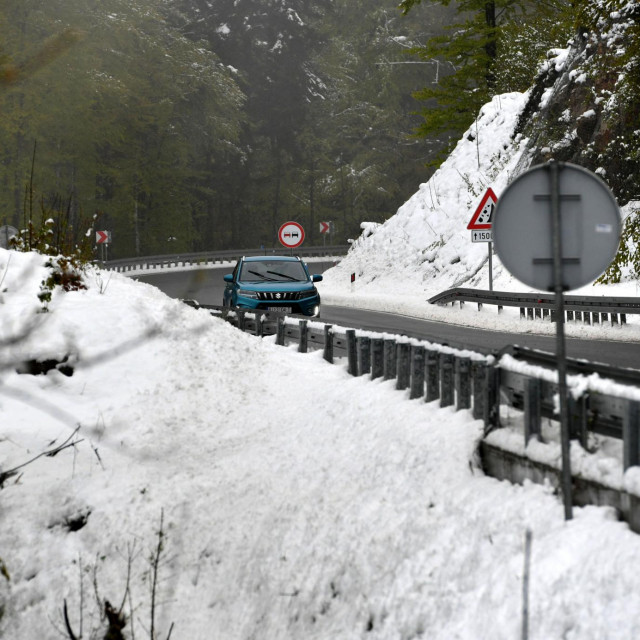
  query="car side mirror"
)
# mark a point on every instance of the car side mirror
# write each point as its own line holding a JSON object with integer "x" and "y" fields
{"x": 228, "y": 277}
{"x": 316, "y": 277}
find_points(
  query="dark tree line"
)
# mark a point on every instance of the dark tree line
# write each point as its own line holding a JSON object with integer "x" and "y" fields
{"x": 190, "y": 125}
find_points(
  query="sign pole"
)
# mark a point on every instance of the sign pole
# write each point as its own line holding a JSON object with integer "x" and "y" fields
{"x": 560, "y": 341}
{"x": 490, "y": 245}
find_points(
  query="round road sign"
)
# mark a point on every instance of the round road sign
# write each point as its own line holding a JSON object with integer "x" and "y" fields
{"x": 291, "y": 235}
{"x": 590, "y": 226}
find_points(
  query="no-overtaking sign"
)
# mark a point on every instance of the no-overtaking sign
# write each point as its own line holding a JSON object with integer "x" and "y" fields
{"x": 291, "y": 235}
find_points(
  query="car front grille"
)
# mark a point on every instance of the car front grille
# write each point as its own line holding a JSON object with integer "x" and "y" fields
{"x": 278, "y": 296}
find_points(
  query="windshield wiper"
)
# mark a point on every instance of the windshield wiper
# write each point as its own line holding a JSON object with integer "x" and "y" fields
{"x": 256, "y": 273}
{"x": 282, "y": 275}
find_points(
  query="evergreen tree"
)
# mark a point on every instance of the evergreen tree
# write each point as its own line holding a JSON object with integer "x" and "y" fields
{"x": 495, "y": 47}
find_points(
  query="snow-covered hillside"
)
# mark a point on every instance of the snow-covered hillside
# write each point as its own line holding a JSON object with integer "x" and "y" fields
{"x": 425, "y": 248}
{"x": 294, "y": 501}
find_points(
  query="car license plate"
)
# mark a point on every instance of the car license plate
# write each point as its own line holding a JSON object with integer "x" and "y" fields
{"x": 280, "y": 309}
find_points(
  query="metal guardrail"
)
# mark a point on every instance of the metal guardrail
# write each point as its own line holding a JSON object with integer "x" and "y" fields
{"x": 213, "y": 257}
{"x": 525, "y": 379}
{"x": 587, "y": 309}
{"x": 471, "y": 380}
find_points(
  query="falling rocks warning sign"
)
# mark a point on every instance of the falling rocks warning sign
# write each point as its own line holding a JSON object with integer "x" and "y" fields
{"x": 483, "y": 216}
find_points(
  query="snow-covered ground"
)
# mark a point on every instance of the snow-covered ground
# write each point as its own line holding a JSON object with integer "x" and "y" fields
{"x": 292, "y": 501}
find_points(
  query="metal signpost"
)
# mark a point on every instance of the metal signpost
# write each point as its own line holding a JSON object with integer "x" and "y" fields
{"x": 291, "y": 235}
{"x": 103, "y": 238}
{"x": 556, "y": 228}
{"x": 326, "y": 228}
{"x": 481, "y": 226}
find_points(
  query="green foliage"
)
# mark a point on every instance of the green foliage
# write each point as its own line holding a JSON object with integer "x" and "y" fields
{"x": 626, "y": 264}
{"x": 495, "y": 47}
{"x": 122, "y": 123}
{"x": 525, "y": 41}
{"x": 62, "y": 235}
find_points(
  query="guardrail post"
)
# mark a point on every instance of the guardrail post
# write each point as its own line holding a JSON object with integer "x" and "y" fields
{"x": 630, "y": 438}
{"x": 280, "y": 332}
{"x": 432, "y": 374}
{"x": 532, "y": 409}
{"x": 240, "y": 316}
{"x": 327, "y": 353}
{"x": 390, "y": 359}
{"x": 523, "y": 313}
{"x": 578, "y": 412}
{"x": 403, "y": 366}
{"x": 352, "y": 352}
{"x": 447, "y": 389}
{"x": 463, "y": 383}
{"x": 614, "y": 319}
{"x": 304, "y": 336}
{"x": 364, "y": 348}
{"x": 492, "y": 402}
{"x": 623, "y": 318}
{"x": 377, "y": 358}
{"x": 417, "y": 372}
{"x": 479, "y": 370}
{"x": 259, "y": 324}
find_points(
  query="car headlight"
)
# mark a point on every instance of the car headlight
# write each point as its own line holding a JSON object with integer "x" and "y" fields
{"x": 312, "y": 293}
{"x": 248, "y": 294}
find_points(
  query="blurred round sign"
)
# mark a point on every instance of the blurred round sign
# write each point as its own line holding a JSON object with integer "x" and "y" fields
{"x": 590, "y": 226}
{"x": 6, "y": 233}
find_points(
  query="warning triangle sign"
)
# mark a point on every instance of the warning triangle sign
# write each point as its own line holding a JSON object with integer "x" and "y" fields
{"x": 483, "y": 217}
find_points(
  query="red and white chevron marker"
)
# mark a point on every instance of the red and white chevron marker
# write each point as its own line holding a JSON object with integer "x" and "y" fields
{"x": 103, "y": 237}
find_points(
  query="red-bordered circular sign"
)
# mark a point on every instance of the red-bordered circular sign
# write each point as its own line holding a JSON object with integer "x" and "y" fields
{"x": 291, "y": 235}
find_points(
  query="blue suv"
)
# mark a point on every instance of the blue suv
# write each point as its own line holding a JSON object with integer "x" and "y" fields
{"x": 272, "y": 283}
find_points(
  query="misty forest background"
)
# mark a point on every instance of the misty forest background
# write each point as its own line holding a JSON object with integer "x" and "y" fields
{"x": 194, "y": 125}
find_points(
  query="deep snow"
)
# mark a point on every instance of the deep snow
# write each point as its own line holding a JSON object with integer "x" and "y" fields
{"x": 296, "y": 501}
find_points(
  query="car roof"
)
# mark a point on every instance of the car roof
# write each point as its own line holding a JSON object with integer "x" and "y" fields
{"x": 278, "y": 258}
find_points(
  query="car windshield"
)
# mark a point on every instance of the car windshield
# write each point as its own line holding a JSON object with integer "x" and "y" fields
{"x": 273, "y": 271}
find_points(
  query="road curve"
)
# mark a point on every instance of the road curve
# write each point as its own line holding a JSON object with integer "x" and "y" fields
{"x": 206, "y": 286}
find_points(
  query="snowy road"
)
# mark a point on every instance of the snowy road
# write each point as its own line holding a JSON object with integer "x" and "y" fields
{"x": 206, "y": 286}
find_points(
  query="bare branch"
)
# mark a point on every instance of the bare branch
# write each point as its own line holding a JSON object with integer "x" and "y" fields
{"x": 67, "y": 624}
